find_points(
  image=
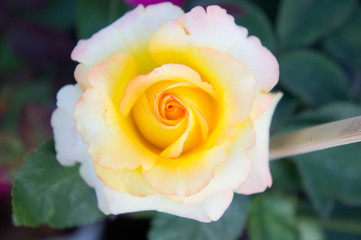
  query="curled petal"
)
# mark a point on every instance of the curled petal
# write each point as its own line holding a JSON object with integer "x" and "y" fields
{"x": 99, "y": 121}
{"x": 209, "y": 210}
{"x": 68, "y": 144}
{"x": 186, "y": 175}
{"x": 230, "y": 173}
{"x": 130, "y": 34}
{"x": 173, "y": 72}
{"x": 216, "y": 29}
{"x": 260, "y": 177}
{"x": 125, "y": 181}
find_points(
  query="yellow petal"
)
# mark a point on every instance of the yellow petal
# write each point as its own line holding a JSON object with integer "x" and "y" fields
{"x": 173, "y": 72}
{"x": 186, "y": 175}
{"x": 229, "y": 77}
{"x": 124, "y": 181}
{"x": 113, "y": 141}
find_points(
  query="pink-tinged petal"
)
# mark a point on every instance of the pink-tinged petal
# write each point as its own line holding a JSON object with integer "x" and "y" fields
{"x": 230, "y": 173}
{"x": 211, "y": 209}
{"x": 260, "y": 105}
{"x": 68, "y": 144}
{"x": 186, "y": 175}
{"x": 80, "y": 75}
{"x": 260, "y": 177}
{"x": 259, "y": 60}
{"x": 216, "y": 29}
{"x": 113, "y": 140}
{"x": 129, "y": 34}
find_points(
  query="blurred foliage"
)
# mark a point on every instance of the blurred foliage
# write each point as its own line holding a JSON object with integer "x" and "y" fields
{"x": 314, "y": 196}
{"x": 46, "y": 192}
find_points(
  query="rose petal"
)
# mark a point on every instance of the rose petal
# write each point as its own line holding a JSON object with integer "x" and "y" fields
{"x": 230, "y": 173}
{"x": 209, "y": 210}
{"x": 124, "y": 181}
{"x": 129, "y": 34}
{"x": 260, "y": 177}
{"x": 216, "y": 29}
{"x": 68, "y": 144}
{"x": 186, "y": 175}
{"x": 173, "y": 72}
{"x": 113, "y": 140}
{"x": 87, "y": 172}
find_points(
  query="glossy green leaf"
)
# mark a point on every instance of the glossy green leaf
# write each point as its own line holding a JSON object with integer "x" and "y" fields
{"x": 45, "y": 192}
{"x": 312, "y": 77}
{"x": 229, "y": 227}
{"x": 304, "y": 22}
{"x": 345, "y": 43}
{"x": 272, "y": 217}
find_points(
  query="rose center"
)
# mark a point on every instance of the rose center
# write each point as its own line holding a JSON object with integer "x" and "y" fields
{"x": 174, "y": 110}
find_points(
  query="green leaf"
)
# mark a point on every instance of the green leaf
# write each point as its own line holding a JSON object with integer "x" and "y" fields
{"x": 309, "y": 230}
{"x": 272, "y": 217}
{"x": 332, "y": 174}
{"x": 345, "y": 43}
{"x": 93, "y": 15}
{"x": 312, "y": 77}
{"x": 45, "y": 192}
{"x": 229, "y": 227}
{"x": 303, "y": 22}
{"x": 248, "y": 15}
{"x": 285, "y": 176}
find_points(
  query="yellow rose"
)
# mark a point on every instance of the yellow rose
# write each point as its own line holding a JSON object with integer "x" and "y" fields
{"x": 171, "y": 112}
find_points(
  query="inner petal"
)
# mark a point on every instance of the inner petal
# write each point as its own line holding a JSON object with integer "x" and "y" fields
{"x": 173, "y": 109}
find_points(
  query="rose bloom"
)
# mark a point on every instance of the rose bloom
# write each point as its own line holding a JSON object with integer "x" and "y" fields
{"x": 171, "y": 112}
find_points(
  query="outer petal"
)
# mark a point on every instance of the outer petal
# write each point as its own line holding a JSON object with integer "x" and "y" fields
{"x": 113, "y": 140}
{"x": 231, "y": 173}
{"x": 186, "y": 175}
{"x": 211, "y": 209}
{"x": 125, "y": 181}
{"x": 216, "y": 29}
{"x": 260, "y": 177}
{"x": 129, "y": 34}
{"x": 68, "y": 144}
{"x": 87, "y": 172}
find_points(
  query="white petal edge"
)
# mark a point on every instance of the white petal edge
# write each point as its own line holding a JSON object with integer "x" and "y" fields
{"x": 131, "y": 31}
{"x": 260, "y": 177}
{"x": 211, "y": 209}
{"x": 68, "y": 144}
{"x": 216, "y": 29}
{"x": 87, "y": 172}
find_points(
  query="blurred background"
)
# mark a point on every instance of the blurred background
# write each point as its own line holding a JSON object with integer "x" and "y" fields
{"x": 315, "y": 196}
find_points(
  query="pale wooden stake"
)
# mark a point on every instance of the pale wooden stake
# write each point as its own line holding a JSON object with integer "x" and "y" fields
{"x": 316, "y": 138}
